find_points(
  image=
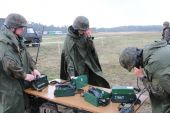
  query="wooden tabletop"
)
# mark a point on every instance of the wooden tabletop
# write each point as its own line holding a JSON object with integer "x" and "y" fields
{"x": 77, "y": 101}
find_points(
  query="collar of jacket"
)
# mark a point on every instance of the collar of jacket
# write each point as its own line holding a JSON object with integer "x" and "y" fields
{"x": 10, "y": 38}
{"x": 71, "y": 33}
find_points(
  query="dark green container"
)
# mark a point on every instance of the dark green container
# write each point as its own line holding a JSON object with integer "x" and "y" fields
{"x": 40, "y": 82}
{"x": 94, "y": 100}
{"x": 123, "y": 94}
{"x": 80, "y": 81}
{"x": 64, "y": 91}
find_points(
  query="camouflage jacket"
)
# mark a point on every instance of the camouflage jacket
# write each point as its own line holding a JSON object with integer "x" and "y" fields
{"x": 79, "y": 57}
{"x": 15, "y": 62}
{"x": 166, "y": 34}
{"x": 156, "y": 59}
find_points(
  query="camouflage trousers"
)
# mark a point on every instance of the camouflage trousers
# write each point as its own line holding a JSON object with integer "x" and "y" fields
{"x": 48, "y": 108}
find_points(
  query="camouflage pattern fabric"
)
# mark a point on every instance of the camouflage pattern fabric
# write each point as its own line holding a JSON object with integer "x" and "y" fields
{"x": 15, "y": 62}
{"x": 156, "y": 65}
{"x": 166, "y": 34}
{"x": 48, "y": 108}
{"x": 156, "y": 62}
{"x": 81, "y": 23}
{"x": 15, "y": 21}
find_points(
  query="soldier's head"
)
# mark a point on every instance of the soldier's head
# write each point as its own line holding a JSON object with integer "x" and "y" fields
{"x": 165, "y": 24}
{"x": 81, "y": 24}
{"x": 16, "y": 23}
{"x": 131, "y": 57}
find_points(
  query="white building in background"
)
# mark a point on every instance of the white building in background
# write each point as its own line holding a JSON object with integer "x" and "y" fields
{"x": 45, "y": 32}
{"x": 52, "y": 32}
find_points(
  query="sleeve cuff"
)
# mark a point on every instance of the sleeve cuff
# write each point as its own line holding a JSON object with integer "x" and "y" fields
{"x": 24, "y": 76}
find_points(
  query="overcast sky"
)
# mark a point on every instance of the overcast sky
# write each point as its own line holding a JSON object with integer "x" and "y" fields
{"x": 101, "y": 13}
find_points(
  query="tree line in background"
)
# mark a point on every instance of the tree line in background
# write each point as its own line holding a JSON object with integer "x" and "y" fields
{"x": 63, "y": 29}
{"x": 40, "y": 27}
{"x": 148, "y": 28}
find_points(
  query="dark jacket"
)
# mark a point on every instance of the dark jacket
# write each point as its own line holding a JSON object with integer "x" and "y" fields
{"x": 156, "y": 58}
{"x": 15, "y": 62}
{"x": 79, "y": 57}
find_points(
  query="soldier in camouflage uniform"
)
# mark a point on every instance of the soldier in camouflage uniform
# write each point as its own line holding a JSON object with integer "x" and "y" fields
{"x": 152, "y": 65}
{"x": 166, "y": 31}
{"x": 16, "y": 65}
{"x": 79, "y": 55}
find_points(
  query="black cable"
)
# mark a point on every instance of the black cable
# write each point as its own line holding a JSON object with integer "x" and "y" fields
{"x": 138, "y": 83}
{"x": 138, "y": 89}
{"x": 143, "y": 91}
{"x": 130, "y": 107}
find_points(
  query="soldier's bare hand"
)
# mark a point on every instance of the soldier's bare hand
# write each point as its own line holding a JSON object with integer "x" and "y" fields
{"x": 29, "y": 77}
{"x": 87, "y": 33}
{"x": 36, "y": 73}
{"x": 138, "y": 72}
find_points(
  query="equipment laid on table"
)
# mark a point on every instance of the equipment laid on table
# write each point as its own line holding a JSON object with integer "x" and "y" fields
{"x": 63, "y": 90}
{"x": 80, "y": 81}
{"x": 69, "y": 88}
{"x": 40, "y": 82}
{"x": 97, "y": 97}
{"x": 123, "y": 94}
{"x": 126, "y": 108}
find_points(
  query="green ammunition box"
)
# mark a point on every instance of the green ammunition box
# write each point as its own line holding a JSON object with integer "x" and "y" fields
{"x": 123, "y": 94}
{"x": 64, "y": 90}
{"x": 80, "y": 81}
{"x": 102, "y": 100}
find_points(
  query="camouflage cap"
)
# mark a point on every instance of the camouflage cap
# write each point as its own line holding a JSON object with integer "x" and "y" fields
{"x": 166, "y": 23}
{"x": 15, "y": 21}
{"x": 128, "y": 58}
{"x": 81, "y": 23}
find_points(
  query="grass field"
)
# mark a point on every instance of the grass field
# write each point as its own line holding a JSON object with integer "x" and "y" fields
{"x": 108, "y": 46}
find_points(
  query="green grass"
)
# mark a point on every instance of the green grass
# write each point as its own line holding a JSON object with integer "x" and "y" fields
{"x": 108, "y": 46}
